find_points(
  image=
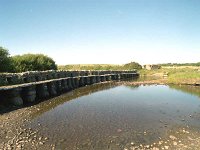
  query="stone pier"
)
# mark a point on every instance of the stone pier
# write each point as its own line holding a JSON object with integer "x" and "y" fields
{"x": 37, "y": 86}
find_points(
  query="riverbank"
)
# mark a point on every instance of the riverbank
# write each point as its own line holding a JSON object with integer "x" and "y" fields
{"x": 161, "y": 82}
{"x": 176, "y": 75}
{"x": 145, "y": 82}
{"x": 14, "y": 134}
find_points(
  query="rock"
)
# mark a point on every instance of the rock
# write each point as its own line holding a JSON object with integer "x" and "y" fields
{"x": 19, "y": 146}
{"x": 155, "y": 148}
{"x": 172, "y": 137}
{"x": 160, "y": 142}
{"x": 132, "y": 143}
{"x": 175, "y": 143}
{"x": 119, "y": 130}
{"x": 147, "y": 146}
{"x": 187, "y": 132}
{"x": 41, "y": 143}
{"x": 166, "y": 147}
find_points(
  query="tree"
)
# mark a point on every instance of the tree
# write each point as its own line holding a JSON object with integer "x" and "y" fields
{"x": 33, "y": 62}
{"x": 132, "y": 66}
{"x": 5, "y": 61}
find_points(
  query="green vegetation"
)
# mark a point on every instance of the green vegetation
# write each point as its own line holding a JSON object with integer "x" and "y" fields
{"x": 180, "y": 64}
{"x": 26, "y": 62}
{"x": 128, "y": 66}
{"x": 132, "y": 65}
{"x": 32, "y": 62}
{"x": 178, "y": 75}
{"x": 40, "y": 62}
{"x": 5, "y": 60}
{"x": 188, "y": 76}
{"x": 89, "y": 67}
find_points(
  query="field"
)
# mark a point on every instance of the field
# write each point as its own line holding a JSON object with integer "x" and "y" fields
{"x": 176, "y": 75}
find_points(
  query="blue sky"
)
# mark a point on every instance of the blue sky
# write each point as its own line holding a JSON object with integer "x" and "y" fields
{"x": 103, "y": 31}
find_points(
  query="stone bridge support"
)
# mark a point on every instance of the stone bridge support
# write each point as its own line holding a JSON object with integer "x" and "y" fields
{"x": 50, "y": 84}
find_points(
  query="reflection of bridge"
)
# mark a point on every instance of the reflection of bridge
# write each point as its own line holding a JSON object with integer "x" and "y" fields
{"x": 86, "y": 90}
{"x": 35, "y": 86}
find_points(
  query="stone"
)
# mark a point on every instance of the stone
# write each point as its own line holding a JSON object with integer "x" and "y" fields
{"x": 29, "y": 93}
{"x": 166, "y": 147}
{"x": 14, "y": 97}
{"x": 172, "y": 137}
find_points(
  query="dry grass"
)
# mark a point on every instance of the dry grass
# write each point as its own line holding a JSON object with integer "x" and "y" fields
{"x": 176, "y": 75}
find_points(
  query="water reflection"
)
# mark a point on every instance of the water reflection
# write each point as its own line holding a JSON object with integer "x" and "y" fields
{"x": 190, "y": 89}
{"x": 83, "y": 91}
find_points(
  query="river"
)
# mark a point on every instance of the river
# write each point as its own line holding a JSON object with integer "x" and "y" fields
{"x": 117, "y": 116}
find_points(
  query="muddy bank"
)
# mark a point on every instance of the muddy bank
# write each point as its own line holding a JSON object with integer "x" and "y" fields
{"x": 149, "y": 80}
{"x": 14, "y": 135}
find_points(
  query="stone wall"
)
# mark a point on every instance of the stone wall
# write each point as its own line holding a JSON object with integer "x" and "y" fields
{"x": 38, "y": 86}
{"x": 35, "y": 76}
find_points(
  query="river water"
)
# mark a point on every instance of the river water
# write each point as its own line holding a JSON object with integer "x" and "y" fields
{"x": 114, "y": 116}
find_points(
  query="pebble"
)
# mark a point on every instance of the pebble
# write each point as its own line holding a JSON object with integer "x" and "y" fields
{"x": 175, "y": 143}
{"x": 41, "y": 143}
{"x": 166, "y": 147}
{"x": 172, "y": 137}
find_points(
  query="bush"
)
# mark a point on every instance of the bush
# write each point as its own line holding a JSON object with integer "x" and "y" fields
{"x": 5, "y": 60}
{"x": 129, "y": 66}
{"x": 33, "y": 62}
{"x": 132, "y": 66}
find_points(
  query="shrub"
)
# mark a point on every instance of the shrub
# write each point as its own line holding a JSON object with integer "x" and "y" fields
{"x": 33, "y": 62}
{"x": 132, "y": 66}
{"x": 5, "y": 60}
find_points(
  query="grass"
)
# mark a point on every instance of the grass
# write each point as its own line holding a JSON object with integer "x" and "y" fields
{"x": 177, "y": 75}
{"x": 91, "y": 67}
